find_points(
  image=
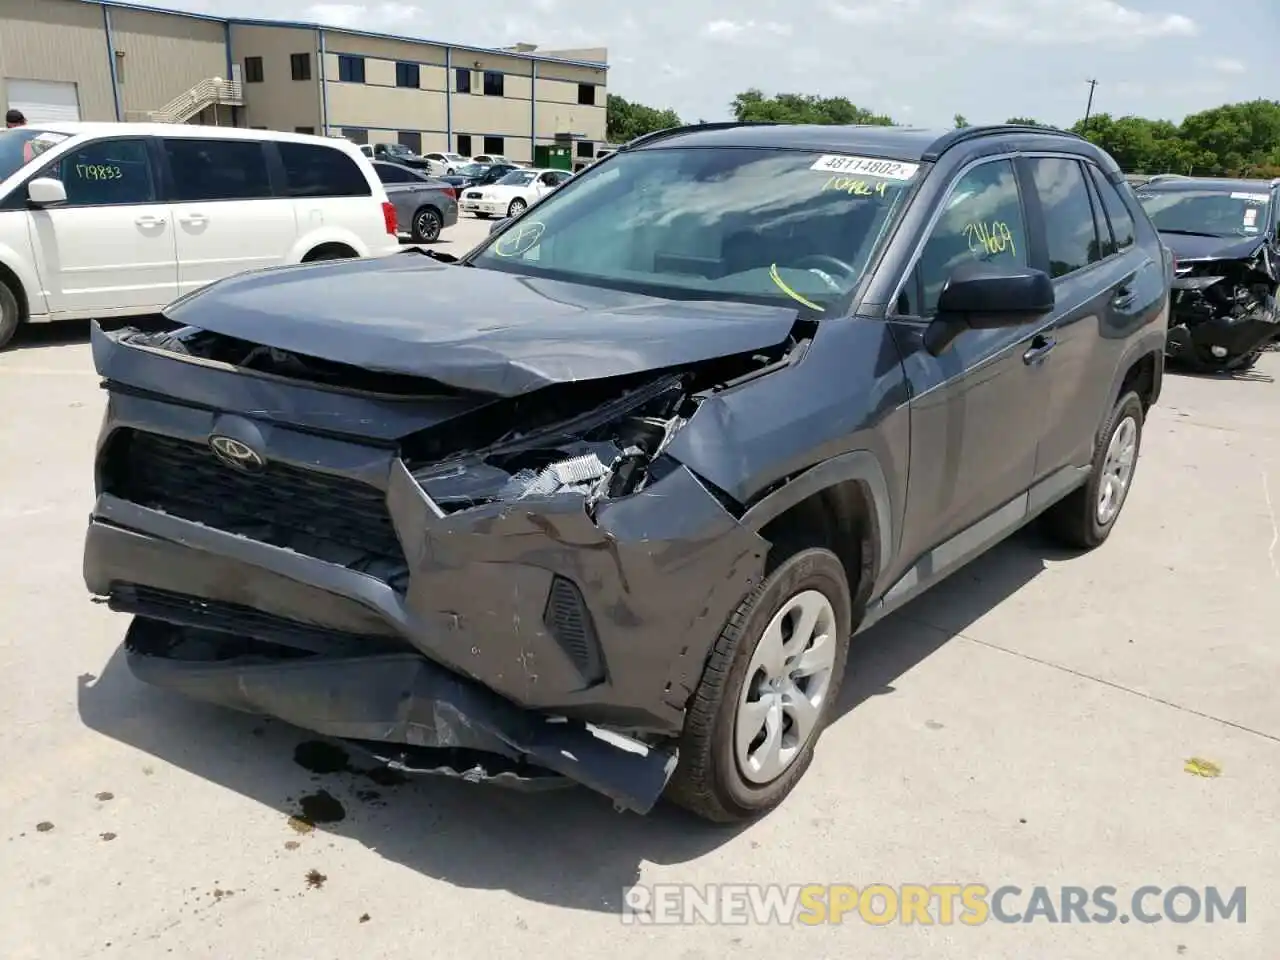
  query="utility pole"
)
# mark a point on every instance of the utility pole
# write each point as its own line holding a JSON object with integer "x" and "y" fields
{"x": 1088, "y": 108}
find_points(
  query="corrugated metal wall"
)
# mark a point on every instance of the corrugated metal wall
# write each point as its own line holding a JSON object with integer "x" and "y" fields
{"x": 164, "y": 55}
{"x": 57, "y": 40}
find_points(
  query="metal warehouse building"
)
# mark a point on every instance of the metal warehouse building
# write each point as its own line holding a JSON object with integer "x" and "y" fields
{"x": 105, "y": 60}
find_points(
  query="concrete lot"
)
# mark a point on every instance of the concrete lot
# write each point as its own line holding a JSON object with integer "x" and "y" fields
{"x": 1027, "y": 723}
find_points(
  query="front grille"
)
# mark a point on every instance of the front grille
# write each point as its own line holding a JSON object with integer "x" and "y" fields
{"x": 187, "y": 611}
{"x": 331, "y": 518}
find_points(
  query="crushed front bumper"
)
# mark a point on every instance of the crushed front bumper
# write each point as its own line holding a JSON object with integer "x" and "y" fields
{"x": 536, "y": 632}
{"x": 388, "y": 701}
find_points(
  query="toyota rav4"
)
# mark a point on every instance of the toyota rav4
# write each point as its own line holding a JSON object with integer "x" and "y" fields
{"x": 605, "y": 500}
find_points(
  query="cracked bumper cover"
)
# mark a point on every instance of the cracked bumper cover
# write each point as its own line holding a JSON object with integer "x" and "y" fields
{"x": 473, "y": 664}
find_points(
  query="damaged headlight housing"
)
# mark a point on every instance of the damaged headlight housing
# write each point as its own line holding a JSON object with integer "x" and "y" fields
{"x": 612, "y": 457}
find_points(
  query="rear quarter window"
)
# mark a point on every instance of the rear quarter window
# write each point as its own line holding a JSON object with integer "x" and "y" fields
{"x": 312, "y": 170}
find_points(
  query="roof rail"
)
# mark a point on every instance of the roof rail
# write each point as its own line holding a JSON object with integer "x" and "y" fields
{"x": 963, "y": 134}
{"x": 656, "y": 135}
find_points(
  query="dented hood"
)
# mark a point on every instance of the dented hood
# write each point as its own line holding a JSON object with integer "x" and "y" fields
{"x": 473, "y": 329}
{"x": 1190, "y": 247}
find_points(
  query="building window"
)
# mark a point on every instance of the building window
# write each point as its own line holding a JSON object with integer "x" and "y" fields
{"x": 586, "y": 148}
{"x": 493, "y": 83}
{"x": 310, "y": 130}
{"x": 464, "y": 144}
{"x": 252, "y": 69}
{"x": 350, "y": 69}
{"x": 587, "y": 94}
{"x": 462, "y": 79}
{"x": 355, "y": 135}
{"x": 411, "y": 139}
{"x": 493, "y": 146}
{"x": 300, "y": 66}
{"x": 120, "y": 68}
{"x": 407, "y": 75}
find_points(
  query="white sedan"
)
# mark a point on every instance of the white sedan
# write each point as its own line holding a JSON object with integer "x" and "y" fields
{"x": 448, "y": 163}
{"x": 512, "y": 195}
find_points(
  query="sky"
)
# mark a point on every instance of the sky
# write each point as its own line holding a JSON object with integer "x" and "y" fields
{"x": 920, "y": 61}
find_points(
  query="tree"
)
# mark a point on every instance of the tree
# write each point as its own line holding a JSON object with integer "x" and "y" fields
{"x": 625, "y": 120}
{"x": 753, "y": 105}
{"x": 961, "y": 121}
{"x": 1028, "y": 122}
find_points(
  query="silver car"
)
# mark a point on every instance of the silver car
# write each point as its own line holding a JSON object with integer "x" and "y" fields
{"x": 424, "y": 206}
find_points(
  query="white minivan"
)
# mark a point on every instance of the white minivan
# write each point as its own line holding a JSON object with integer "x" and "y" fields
{"x": 118, "y": 219}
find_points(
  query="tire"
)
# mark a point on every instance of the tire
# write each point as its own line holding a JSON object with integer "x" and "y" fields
{"x": 481, "y": 216}
{"x": 10, "y": 315}
{"x": 426, "y": 225}
{"x": 1079, "y": 520}
{"x": 711, "y": 779}
{"x": 517, "y": 207}
{"x": 333, "y": 253}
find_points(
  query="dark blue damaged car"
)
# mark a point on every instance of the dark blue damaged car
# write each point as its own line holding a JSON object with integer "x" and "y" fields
{"x": 604, "y": 501}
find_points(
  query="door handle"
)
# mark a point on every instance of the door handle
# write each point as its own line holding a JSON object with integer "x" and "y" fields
{"x": 150, "y": 221}
{"x": 1039, "y": 350}
{"x": 194, "y": 218}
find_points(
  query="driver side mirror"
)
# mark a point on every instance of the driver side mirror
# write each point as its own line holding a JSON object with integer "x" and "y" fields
{"x": 986, "y": 296}
{"x": 46, "y": 191}
{"x": 497, "y": 225}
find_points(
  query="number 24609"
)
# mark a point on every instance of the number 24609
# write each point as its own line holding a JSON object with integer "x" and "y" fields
{"x": 98, "y": 171}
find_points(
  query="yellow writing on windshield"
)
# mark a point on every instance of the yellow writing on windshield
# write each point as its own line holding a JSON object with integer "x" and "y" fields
{"x": 990, "y": 238}
{"x": 856, "y": 188}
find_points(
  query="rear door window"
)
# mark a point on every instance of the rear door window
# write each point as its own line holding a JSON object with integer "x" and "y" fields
{"x": 317, "y": 171}
{"x": 108, "y": 172}
{"x": 209, "y": 170}
{"x": 1068, "y": 214}
{"x": 1122, "y": 229}
{"x": 390, "y": 173}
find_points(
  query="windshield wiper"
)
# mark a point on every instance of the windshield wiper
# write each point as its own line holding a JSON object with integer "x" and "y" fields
{"x": 1191, "y": 233}
{"x": 433, "y": 254}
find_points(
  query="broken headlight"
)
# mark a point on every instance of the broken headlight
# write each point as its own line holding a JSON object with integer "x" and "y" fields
{"x": 608, "y": 460}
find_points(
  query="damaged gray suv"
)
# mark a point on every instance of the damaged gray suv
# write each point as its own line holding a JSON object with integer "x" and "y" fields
{"x": 605, "y": 500}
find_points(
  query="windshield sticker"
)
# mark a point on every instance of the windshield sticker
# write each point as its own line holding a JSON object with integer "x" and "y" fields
{"x": 1253, "y": 197}
{"x": 782, "y": 285}
{"x": 990, "y": 238}
{"x": 856, "y": 188}
{"x": 866, "y": 167}
{"x": 520, "y": 240}
{"x": 1251, "y": 216}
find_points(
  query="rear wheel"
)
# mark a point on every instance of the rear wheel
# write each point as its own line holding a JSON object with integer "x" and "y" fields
{"x": 426, "y": 224}
{"x": 333, "y": 252}
{"x": 517, "y": 207}
{"x": 767, "y": 691}
{"x": 482, "y": 216}
{"x": 10, "y": 315}
{"x": 1085, "y": 518}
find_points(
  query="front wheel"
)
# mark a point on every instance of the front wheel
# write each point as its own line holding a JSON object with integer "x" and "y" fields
{"x": 1084, "y": 518}
{"x": 767, "y": 691}
{"x": 517, "y": 207}
{"x": 10, "y": 315}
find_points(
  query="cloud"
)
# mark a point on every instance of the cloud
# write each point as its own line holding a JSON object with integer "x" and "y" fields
{"x": 741, "y": 30}
{"x": 874, "y": 12}
{"x": 378, "y": 16}
{"x": 1046, "y": 22}
{"x": 1225, "y": 65}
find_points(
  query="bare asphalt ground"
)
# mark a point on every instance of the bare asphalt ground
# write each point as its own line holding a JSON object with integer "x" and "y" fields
{"x": 1028, "y": 723}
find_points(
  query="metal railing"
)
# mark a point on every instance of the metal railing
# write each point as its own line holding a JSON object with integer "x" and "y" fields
{"x": 204, "y": 94}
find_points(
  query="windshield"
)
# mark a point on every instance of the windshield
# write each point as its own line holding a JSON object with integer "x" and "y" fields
{"x": 1213, "y": 212}
{"x": 472, "y": 170}
{"x": 21, "y": 145}
{"x": 517, "y": 178}
{"x": 773, "y": 226}
{"x": 399, "y": 150}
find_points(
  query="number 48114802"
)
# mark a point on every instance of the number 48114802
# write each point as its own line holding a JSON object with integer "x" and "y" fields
{"x": 98, "y": 171}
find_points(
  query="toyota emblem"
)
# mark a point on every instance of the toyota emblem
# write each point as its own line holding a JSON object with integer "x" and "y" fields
{"x": 236, "y": 453}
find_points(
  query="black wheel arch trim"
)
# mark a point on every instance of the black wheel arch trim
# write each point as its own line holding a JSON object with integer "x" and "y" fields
{"x": 1151, "y": 343}
{"x": 860, "y": 466}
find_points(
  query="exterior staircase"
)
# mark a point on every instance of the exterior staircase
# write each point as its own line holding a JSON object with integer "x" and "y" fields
{"x": 205, "y": 94}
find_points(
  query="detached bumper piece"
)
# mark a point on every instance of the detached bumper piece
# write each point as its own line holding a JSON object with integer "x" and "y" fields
{"x": 396, "y": 706}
